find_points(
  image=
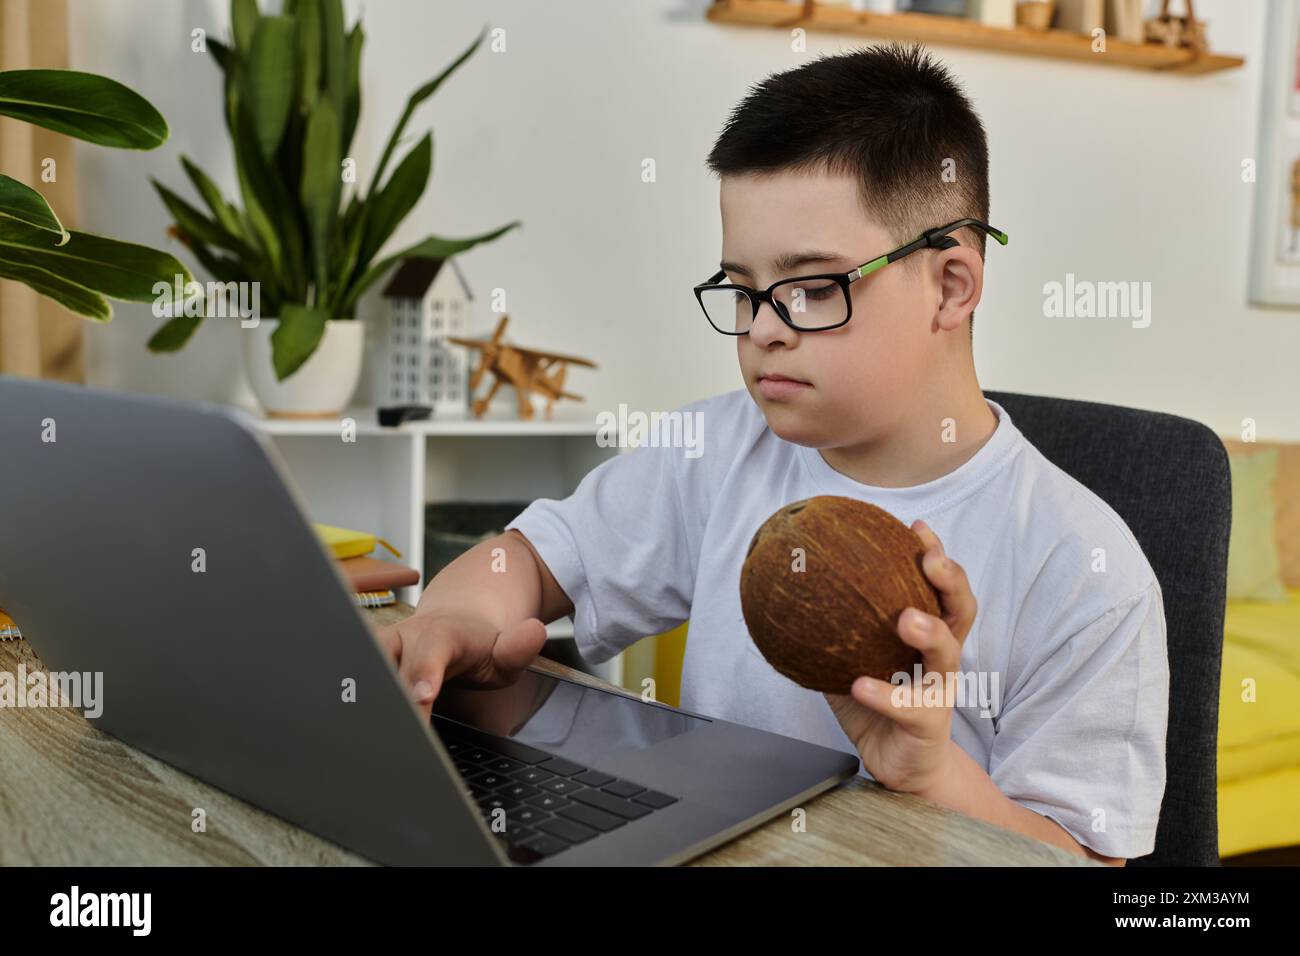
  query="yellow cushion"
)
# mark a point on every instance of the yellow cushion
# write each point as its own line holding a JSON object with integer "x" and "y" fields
{"x": 1263, "y": 734}
{"x": 1259, "y": 812}
{"x": 1259, "y": 743}
{"x": 670, "y": 649}
{"x": 1271, "y": 628}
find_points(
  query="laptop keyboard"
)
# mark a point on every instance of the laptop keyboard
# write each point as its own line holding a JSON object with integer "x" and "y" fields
{"x": 550, "y": 803}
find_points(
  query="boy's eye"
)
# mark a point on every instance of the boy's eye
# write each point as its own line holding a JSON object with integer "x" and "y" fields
{"x": 815, "y": 291}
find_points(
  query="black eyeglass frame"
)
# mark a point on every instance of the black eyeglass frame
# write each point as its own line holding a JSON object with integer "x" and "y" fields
{"x": 937, "y": 238}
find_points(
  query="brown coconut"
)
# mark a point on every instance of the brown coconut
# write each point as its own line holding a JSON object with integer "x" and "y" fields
{"x": 835, "y": 620}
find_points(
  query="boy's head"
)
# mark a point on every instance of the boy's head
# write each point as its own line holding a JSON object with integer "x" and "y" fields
{"x": 847, "y": 158}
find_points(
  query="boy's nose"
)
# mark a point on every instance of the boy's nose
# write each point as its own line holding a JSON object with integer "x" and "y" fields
{"x": 768, "y": 327}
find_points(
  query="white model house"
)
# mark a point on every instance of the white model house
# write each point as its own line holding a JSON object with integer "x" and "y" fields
{"x": 425, "y": 302}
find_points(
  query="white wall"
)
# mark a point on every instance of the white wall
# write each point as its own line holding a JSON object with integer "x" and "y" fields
{"x": 1109, "y": 174}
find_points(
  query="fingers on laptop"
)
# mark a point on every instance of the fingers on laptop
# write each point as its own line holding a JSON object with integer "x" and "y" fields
{"x": 428, "y": 646}
{"x": 390, "y": 641}
{"x": 429, "y": 651}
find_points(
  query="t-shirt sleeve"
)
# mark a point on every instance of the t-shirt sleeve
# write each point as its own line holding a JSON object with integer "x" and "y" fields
{"x": 1082, "y": 739}
{"x": 623, "y": 547}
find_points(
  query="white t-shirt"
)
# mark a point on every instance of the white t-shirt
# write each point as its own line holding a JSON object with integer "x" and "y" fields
{"x": 1070, "y": 622}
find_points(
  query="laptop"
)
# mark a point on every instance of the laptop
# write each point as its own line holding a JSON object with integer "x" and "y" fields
{"x": 162, "y": 545}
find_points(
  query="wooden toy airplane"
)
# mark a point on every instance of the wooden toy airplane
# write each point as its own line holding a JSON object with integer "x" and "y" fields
{"x": 527, "y": 370}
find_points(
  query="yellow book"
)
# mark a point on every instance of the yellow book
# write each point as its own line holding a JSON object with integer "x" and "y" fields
{"x": 346, "y": 543}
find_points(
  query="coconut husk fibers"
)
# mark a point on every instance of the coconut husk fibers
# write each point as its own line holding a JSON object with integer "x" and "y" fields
{"x": 834, "y": 621}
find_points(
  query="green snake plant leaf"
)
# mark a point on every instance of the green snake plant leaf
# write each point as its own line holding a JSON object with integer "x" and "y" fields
{"x": 418, "y": 97}
{"x": 256, "y": 187}
{"x": 295, "y": 338}
{"x": 174, "y": 333}
{"x": 224, "y": 56}
{"x": 270, "y": 80}
{"x": 352, "y": 86}
{"x": 225, "y": 213}
{"x": 222, "y": 268}
{"x": 432, "y": 247}
{"x": 334, "y": 65}
{"x": 309, "y": 55}
{"x": 392, "y": 203}
{"x": 321, "y": 185}
{"x": 21, "y": 202}
{"x": 83, "y": 105}
{"x": 243, "y": 23}
{"x": 195, "y": 225}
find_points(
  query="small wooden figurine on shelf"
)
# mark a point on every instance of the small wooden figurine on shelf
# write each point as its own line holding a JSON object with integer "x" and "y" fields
{"x": 527, "y": 370}
{"x": 1177, "y": 31}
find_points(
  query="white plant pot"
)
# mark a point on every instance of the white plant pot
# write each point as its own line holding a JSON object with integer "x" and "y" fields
{"x": 322, "y": 386}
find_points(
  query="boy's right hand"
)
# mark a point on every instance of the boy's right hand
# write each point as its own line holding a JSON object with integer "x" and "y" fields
{"x": 429, "y": 651}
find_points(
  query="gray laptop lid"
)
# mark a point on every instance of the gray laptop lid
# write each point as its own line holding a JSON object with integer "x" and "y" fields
{"x": 236, "y": 672}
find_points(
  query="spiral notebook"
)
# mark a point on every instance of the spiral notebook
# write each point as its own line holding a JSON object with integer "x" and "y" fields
{"x": 8, "y": 629}
{"x": 375, "y": 598}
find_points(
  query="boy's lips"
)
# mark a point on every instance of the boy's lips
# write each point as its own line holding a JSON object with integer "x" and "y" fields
{"x": 774, "y": 386}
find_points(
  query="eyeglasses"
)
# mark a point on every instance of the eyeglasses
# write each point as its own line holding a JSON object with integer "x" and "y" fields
{"x": 820, "y": 302}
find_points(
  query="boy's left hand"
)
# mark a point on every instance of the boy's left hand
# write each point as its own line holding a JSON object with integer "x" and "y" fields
{"x": 907, "y": 747}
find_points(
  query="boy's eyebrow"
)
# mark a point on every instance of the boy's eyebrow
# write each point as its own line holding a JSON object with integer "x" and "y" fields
{"x": 783, "y": 264}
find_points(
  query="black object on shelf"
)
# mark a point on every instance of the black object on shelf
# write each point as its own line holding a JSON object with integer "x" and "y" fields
{"x": 390, "y": 416}
{"x": 453, "y": 527}
{"x": 943, "y": 8}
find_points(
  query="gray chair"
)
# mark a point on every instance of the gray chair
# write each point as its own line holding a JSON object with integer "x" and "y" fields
{"x": 1168, "y": 478}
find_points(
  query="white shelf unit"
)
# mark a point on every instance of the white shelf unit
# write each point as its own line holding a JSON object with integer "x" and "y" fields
{"x": 380, "y": 481}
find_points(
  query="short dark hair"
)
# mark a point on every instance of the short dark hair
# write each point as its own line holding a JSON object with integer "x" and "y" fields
{"x": 891, "y": 116}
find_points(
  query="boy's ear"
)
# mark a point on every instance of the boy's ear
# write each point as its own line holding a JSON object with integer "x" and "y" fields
{"x": 961, "y": 283}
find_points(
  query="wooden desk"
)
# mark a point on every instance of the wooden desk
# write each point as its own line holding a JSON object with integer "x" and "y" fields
{"x": 73, "y": 796}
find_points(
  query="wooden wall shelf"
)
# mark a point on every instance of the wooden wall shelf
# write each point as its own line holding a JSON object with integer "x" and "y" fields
{"x": 956, "y": 31}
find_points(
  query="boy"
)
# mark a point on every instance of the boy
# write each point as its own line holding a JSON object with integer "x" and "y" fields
{"x": 859, "y": 381}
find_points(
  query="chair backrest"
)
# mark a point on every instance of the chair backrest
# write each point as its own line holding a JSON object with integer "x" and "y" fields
{"x": 1167, "y": 477}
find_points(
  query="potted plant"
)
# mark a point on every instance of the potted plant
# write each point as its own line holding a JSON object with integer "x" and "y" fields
{"x": 79, "y": 270}
{"x": 308, "y": 246}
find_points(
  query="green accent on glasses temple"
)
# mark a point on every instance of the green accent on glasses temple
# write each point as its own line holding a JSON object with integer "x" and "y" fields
{"x": 873, "y": 265}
